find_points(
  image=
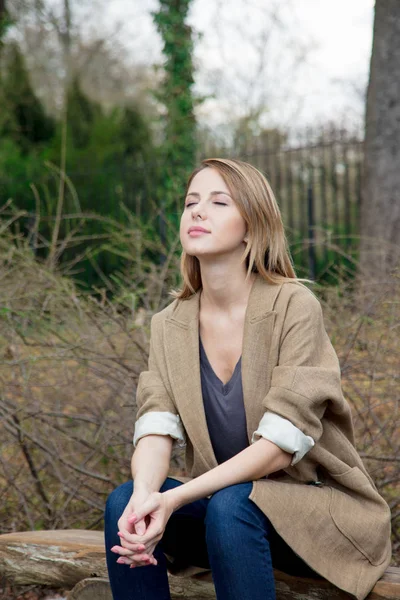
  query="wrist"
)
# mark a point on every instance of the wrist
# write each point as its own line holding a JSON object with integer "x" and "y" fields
{"x": 141, "y": 491}
{"x": 174, "y": 498}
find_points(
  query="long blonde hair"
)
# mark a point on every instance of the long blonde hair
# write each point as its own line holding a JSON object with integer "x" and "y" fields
{"x": 267, "y": 251}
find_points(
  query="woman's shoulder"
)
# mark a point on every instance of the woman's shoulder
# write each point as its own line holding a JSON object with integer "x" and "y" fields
{"x": 167, "y": 312}
{"x": 294, "y": 294}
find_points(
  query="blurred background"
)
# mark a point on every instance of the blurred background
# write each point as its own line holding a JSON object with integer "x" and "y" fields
{"x": 105, "y": 108}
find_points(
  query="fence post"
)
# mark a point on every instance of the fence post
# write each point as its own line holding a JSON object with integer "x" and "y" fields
{"x": 163, "y": 233}
{"x": 311, "y": 238}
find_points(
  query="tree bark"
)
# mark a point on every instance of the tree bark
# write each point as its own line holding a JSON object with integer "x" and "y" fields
{"x": 287, "y": 588}
{"x": 75, "y": 559}
{"x": 53, "y": 558}
{"x": 380, "y": 208}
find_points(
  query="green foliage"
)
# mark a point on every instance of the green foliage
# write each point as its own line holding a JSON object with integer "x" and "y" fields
{"x": 113, "y": 169}
{"x": 23, "y": 118}
{"x": 179, "y": 146}
{"x": 106, "y": 155}
{"x": 5, "y": 22}
{"x": 81, "y": 115}
{"x": 135, "y": 136}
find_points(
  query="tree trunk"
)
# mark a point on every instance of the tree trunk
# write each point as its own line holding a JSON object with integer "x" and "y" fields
{"x": 380, "y": 210}
{"x": 3, "y": 16}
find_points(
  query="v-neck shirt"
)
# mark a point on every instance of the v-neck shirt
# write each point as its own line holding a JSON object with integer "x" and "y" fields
{"x": 224, "y": 409}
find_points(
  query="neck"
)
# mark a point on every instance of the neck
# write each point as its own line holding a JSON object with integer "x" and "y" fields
{"x": 224, "y": 286}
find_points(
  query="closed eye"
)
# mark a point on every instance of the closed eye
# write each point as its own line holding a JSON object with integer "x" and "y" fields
{"x": 191, "y": 204}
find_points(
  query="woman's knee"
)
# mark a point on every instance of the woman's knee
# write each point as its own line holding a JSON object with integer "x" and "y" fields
{"x": 117, "y": 501}
{"x": 227, "y": 504}
{"x": 231, "y": 514}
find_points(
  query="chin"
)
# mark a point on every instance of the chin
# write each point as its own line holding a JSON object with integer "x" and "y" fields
{"x": 196, "y": 246}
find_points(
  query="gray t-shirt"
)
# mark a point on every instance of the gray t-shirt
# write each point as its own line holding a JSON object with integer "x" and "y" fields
{"x": 224, "y": 409}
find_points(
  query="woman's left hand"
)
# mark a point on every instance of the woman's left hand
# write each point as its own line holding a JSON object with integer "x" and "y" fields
{"x": 156, "y": 510}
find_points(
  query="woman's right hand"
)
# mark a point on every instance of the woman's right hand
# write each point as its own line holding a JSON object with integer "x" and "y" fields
{"x": 132, "y": 554}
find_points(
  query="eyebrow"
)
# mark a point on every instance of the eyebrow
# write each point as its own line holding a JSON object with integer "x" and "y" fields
{"x": 214, "y": 193}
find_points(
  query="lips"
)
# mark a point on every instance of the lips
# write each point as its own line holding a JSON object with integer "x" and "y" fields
{"x": 198, "y": 229}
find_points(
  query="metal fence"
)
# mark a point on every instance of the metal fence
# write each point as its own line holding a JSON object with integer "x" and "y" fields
{"x": 316, "y": 178}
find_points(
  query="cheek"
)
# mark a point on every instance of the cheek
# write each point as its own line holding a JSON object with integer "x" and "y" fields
{"x": 184, "y": 225}
{"x": 183, "y": 220}
{"x": 237, "y": 227}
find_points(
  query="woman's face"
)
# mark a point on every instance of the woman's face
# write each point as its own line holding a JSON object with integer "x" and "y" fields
{"x": 209, "y": 206}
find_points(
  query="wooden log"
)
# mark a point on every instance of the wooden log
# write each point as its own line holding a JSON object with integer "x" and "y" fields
{"x": 301, "y": 588}
{"x": 287, "y": 588}
{"x": 59, "y": 558}
{"x": 91, "y": 588}
{"x": 181, "y": 588}
{"x": 68, "y": 558}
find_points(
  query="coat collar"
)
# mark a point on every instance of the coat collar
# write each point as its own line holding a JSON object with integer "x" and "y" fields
{"x": 182, "y": 354}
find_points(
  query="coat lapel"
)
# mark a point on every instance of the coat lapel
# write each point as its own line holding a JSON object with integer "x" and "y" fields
{"x": 256, "y": 350}
{"x": 183, "y": 361}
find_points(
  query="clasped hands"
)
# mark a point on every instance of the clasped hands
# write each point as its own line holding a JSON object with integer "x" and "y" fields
{"x": 141, "y": 527}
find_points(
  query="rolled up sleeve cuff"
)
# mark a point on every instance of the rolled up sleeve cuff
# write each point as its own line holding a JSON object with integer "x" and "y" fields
{"x": 160, "y": 423}
{"x": 285, "y": 435}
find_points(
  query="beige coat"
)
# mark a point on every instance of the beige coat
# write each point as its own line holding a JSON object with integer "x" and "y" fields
{"x": 342, "y": 528}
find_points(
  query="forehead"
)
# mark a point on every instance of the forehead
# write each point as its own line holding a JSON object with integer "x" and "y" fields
{"x": 206, "y": 179}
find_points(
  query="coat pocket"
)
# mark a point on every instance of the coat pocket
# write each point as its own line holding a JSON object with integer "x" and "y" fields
{"x": 360, "y": 513}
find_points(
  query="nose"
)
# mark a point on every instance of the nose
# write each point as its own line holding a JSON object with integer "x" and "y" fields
{"x": 198, "y": 211}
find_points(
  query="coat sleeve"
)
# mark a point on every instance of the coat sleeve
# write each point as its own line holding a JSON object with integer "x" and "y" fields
{"x": 156, "y": 412}
{"x": 284, "y": 434}
{"x": 307, "y": 377}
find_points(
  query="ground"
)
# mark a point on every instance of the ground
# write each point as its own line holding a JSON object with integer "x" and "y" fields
{"x": 9, "y": 592}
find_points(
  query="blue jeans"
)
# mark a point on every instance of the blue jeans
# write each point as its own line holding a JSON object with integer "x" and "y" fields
{"x": 226, "y": 533}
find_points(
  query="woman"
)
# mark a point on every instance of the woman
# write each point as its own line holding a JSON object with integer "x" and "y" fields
{"x": 242, "y": 372}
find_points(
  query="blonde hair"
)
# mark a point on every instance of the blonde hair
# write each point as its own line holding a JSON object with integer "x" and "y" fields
{"x": 267, "y": 251}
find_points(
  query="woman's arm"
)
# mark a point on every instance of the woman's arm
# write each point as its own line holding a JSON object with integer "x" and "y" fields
{"x": 150, "y": 462}
{"x": 260, "y": 459}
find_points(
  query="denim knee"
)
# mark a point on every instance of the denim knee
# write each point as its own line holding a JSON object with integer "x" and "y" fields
{"x": 117, "y": 501}
{"x": 231, "y": 516}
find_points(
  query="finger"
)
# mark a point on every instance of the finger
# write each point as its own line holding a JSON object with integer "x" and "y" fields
{"x": 126, "y": 548}
{"x": 135, "y": 548}
{"x": 150, "y": 549}
{"x": 153, "y": 533}
{"x": 140, "y": 527}
{"x": 135, "y": 536}
{"x": 124, "y": 551}
{"x": 151, "y": 504}
{"x": 128, "y": 527}
{"x": 139, "y": 560}
{"x": 131, "y": 538}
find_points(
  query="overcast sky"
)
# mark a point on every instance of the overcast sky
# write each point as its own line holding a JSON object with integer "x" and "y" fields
{"x": 309, "y": 67}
